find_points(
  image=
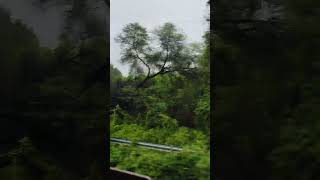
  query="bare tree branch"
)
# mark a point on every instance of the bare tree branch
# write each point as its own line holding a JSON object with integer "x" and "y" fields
{"x": 146, "y": 64}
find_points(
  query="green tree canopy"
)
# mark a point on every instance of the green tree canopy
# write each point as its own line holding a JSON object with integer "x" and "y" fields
{"x": 165, "y": 51}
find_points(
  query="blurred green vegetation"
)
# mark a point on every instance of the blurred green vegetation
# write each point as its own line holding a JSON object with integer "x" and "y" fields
{"x": 192, "y": 163}
{"x": 171, "y": 108}
{"x": 266, "y": 77}
{"x": 52, "y": 106}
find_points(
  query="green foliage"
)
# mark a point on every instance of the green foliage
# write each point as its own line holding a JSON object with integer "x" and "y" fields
{"x": 134, "y": 41}
{"x": 192, "y": 163}
{"x": 115, "y": 75}
{"x": 40, "y": 129}
{"x": 173, "y": 109}
{"x": 158, "y": 165}
{"x": 202, "y": 111}
{"x": 150, "y": 57}
{"x": 266, "y": 84}
{"x": 41, "y": 89}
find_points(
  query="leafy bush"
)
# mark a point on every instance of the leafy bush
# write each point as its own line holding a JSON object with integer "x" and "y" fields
{"x": 162, "y": 165}
{"x": 192, "y": 163}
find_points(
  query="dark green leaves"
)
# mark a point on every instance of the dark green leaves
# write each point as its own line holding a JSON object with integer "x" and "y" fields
{"x": 167, "y": 52}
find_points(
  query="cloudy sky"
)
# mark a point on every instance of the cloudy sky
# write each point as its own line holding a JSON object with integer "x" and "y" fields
{"x": 187, "y": 15}
{"x": 46, "y": 24}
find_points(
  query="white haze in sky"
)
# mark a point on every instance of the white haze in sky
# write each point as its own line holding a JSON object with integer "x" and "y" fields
{"x": 188, "y": 15}
{"x": 47, "y": 25}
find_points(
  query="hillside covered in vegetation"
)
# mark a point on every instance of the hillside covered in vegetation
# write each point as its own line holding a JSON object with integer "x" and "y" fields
{"x": 165, "y": 99}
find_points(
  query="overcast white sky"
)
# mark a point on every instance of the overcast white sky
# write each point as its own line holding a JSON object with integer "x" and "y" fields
{"x": 187, "y": 15}
{"x": 47, "y": 25}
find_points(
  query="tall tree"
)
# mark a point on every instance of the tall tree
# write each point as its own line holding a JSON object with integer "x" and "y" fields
{"x": 167, "y": 54}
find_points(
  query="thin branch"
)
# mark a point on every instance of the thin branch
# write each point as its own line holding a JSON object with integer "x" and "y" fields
{"x": 180, "y": 70}
{"x": 164, "y": 71}
{"x": 165, "y": 61}
{"x": 137, "y": 55}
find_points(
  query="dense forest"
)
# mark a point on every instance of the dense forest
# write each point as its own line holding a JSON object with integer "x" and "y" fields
{"x": 53, "y": 102}
{"x": 165, "y": 99}
{"x": 266, "y": 80}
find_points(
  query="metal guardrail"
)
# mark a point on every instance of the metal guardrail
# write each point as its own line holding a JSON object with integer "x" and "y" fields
{"x": 122, "y": 174}
{"x": 158, "y": 147}
{"x": 130, "y": 175}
